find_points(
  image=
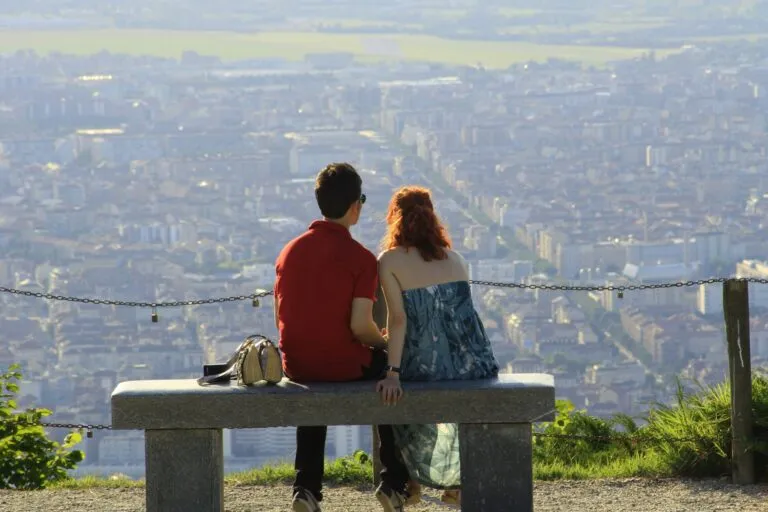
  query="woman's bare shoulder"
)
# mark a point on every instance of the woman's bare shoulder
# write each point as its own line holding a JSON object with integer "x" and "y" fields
{"x": 455, "y": 255}
{"x": 458, "y": 258}
{"x": 391, "y": 256}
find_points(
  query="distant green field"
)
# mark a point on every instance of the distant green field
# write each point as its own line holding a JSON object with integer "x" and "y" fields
{"x": 513, "y": 12}
{"x": 353, "y": 23}
{"x": 752, "y": 38}
{"x": 595, "y": 28}
{"x": 295, "y": 45}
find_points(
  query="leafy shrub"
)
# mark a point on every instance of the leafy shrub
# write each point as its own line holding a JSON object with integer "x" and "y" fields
{"x": 350, "y": 470}
{"x": 698, "y": 426}
{"x": 690, "y": 437}
{"x": 28, "y": 459}
{"x": 578, "y": 438}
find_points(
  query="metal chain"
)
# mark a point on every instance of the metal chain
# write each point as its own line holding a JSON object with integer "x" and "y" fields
{"x": 630, "y": 438}
{"x": 615, "y": 288}
{"x": 495, "y": 284}
{"x": 75, "y": 426}
{"x": 69, "y": 426}
{"x": 634, "y": 439}
{"x": 134, "y": 304}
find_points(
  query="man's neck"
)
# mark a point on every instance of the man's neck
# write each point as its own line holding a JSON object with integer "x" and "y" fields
{"x": 340, "y": 222}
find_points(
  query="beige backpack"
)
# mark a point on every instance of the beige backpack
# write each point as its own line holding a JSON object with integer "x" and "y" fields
{"x": 255, "y": 360}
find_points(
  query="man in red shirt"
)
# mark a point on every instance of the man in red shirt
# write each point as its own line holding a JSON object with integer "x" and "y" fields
{"x": 324, "y": 293}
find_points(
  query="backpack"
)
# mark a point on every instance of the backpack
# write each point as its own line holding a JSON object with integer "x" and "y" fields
{"x": 256, "y": 359}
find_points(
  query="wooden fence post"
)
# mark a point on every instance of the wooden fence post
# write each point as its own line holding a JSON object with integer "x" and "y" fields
{"x": 380, "y": 317}
{"x": 736, "y": 312}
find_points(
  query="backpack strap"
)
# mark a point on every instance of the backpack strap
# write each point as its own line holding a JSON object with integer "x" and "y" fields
{"x": 224, "y": 376}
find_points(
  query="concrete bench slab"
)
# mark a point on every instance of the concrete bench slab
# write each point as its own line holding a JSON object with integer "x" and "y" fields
{"x": 183, "y": 422}
{"x": 181, "y": 404}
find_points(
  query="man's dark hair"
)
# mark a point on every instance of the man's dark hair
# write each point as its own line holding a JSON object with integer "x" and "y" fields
{"x": 337, "y": 187}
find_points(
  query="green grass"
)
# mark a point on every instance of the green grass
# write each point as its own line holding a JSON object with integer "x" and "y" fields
{"x": 354, "y": 470}
{"x": 92, "y": 482}
{"x": 296, "y": 45}
{"x": 348, "y": 472}
{"x": 648, "y": 465}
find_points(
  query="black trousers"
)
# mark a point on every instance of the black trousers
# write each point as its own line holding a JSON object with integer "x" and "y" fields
{"x": 310, "y": 446}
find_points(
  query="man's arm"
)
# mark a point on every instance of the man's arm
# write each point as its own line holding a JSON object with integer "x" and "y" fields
{"x": 277, "y": 321}
{"x": 363, "y": 327}
{"x": 276, "y": 301}
{"x": 361, "y": 321}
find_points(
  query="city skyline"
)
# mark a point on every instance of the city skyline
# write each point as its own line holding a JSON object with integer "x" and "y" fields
{"x": 148, "y": 178}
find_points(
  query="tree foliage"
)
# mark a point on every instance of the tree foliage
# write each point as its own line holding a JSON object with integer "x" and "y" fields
{"x": 28, "y": 458}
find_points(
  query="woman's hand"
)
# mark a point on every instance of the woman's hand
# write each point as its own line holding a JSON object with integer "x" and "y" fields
{"x": 390, "y": 389}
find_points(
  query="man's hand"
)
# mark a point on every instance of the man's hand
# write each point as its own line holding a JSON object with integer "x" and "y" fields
{"x": 390, "y": 390}
{"x": 384, "y": 334}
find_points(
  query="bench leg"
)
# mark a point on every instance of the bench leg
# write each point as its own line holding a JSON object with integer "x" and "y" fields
{"x": 185, "y": 470}
{"x": 375, "y": 456}
{"x": 496, "y": 468}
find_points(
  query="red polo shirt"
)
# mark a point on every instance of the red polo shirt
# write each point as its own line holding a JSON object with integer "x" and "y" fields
{"x": 318, "y": 275}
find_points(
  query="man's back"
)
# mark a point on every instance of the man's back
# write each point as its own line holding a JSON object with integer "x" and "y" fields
{"x": 318, "y": 275}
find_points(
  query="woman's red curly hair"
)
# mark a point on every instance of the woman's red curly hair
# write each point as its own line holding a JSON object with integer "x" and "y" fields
{"x": 412, "y": 222}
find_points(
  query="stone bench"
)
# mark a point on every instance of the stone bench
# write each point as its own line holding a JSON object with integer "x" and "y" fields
{"x": 184, "y": 421}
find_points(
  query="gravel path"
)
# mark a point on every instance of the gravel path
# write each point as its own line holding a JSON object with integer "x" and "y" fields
{"x": 611, "y": 495}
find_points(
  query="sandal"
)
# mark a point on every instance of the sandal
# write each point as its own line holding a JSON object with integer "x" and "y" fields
{"x": 413, "y": 488}
{"x": 451, "y": 497}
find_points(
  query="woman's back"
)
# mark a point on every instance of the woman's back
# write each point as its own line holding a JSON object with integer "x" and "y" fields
{"x": 412, "y": 271}
{"x": 444, "y": 338}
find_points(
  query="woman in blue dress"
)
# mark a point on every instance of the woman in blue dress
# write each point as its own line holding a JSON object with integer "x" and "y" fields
{"x": 434, "y": 333}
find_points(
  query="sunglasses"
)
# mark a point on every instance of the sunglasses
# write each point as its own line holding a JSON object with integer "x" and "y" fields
{"x": 362, "y": 198}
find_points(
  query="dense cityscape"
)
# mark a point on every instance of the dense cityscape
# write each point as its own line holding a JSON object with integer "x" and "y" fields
{"x": 157, "y": 179}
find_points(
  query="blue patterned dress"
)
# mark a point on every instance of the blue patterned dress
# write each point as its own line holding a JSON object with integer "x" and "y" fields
{"x": 444, "y": 340}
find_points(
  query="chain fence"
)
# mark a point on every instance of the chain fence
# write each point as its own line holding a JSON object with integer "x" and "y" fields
{"x": 631, "y": 438}
{"x": 254, "y": 298}
{"x": 136, "y": 304}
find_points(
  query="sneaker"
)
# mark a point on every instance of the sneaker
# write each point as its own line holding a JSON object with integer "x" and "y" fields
{"x": 390, "y": 499}
{"x": 305, "y": 501}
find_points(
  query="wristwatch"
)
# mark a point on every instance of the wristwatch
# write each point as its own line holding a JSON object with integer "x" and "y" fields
{"x": 393, "y": 369}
